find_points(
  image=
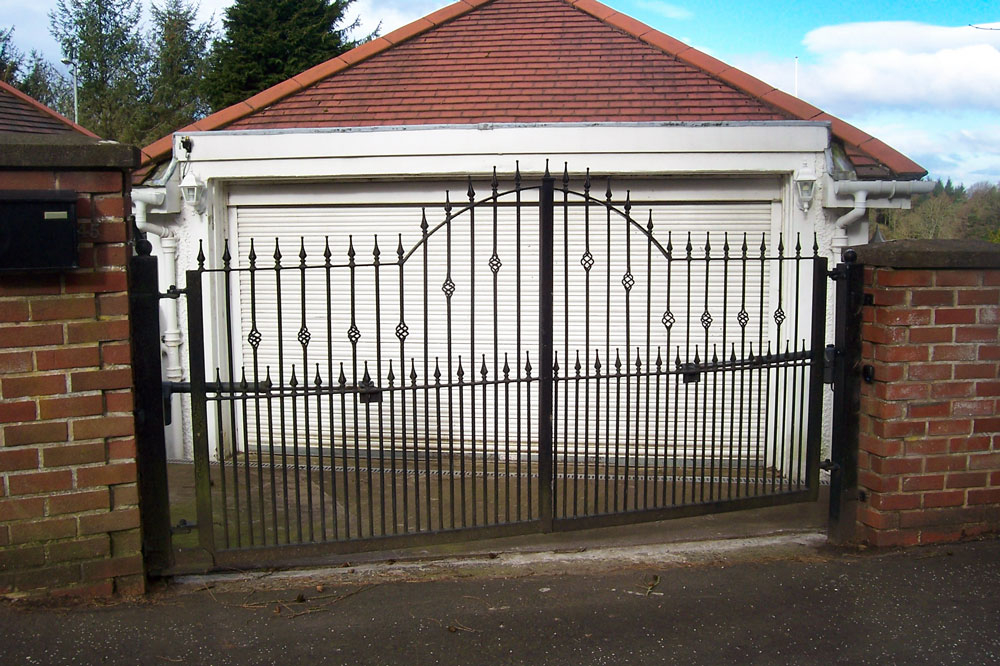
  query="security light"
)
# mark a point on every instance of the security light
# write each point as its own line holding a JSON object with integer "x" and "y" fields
{"x": 805, "y": 186}
{"x": 192, "y": 189}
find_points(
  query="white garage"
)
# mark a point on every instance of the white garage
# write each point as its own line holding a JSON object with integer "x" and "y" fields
{"x": 679, "y": 295}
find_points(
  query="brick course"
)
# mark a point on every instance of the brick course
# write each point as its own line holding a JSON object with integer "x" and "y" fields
{"x": 929, "y": 458}
{"x": 67, "y": 456}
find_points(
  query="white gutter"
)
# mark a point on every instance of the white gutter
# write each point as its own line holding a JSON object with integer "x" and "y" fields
{"x": 142, "y": 199}
{"x": 861, "y": 190}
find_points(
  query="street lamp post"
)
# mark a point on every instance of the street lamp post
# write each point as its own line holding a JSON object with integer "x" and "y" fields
{"x": 71, "y": 63}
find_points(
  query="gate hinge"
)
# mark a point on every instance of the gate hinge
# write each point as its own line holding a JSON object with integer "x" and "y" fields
{"x": 183, "y": 527}
{"x": 173, "y": 292}
{"x": 829, "y": 360}
{"x": 838, "y": 272}
{"x": 829, "y": 466}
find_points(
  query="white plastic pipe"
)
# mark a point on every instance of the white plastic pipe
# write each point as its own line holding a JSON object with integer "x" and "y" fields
{"x": 142, "y": 199}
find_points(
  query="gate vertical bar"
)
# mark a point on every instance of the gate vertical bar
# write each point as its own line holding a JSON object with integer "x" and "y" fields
{"x": 199, "y": 410}
{"x": 814, "y": 430}
{"x": 545, "y": 267}
{"x": 151, "y": 451}
{"x": 846, "y": 396}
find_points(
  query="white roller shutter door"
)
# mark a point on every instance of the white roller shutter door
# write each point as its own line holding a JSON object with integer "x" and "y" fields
{"x": 315, "y": 226}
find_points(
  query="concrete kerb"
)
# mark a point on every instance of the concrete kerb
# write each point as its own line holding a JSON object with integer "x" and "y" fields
{"x": 582, "y": 559}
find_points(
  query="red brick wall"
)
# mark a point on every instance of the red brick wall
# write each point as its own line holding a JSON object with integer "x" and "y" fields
{"x": 929, "y": 450}
{"x": 69, "y": 515}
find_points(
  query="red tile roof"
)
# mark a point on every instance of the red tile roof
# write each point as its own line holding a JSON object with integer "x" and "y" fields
{"x": 530, "y": 61}
{"x": 20, "y": 114}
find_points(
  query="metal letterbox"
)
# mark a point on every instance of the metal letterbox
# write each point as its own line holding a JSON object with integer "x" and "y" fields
{"x": 37, "y": 230}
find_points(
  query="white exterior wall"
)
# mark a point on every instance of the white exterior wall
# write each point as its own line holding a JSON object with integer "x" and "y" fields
{"x": 306, "y": 166}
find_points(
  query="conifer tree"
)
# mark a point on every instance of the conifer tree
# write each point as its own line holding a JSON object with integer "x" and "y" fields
{"x": 40, "y": 80}
{"x": 103, "y": 37}
{"x": 11, "y": 58}
{"x": 268, "y": 41}
{"x": 33, "y": 75}
{"x": 179, "y": 45}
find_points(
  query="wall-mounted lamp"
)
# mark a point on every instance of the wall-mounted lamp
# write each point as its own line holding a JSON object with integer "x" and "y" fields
{"x": 193, "y": 191}
{"x": 805, "y": 186}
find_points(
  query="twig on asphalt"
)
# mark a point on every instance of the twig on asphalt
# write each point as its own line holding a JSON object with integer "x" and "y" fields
{"x": 458, "y": 626}
{"x": 292, "y": 613}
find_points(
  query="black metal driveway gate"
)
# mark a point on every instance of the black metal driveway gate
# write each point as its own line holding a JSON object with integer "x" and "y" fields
{"x": 534, "y": 360}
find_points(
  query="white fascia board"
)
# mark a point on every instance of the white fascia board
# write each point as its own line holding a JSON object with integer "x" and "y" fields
{"x": 436, "y": 151}
{"x": 460, "y": 166}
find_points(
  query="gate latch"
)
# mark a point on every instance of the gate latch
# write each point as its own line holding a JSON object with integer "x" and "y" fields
{"x": 829, "y": 358}
{"x": 690, "y": 372}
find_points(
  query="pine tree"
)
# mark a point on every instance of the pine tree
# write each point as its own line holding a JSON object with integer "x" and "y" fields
{"x": 34, "y": 76}
{"x": 103, "y": 37}
{"x": 11, "y": 58}
{"x": 268, "y": 41}
{"x": 179, "y": 49}
{"x": 42, "y": 81}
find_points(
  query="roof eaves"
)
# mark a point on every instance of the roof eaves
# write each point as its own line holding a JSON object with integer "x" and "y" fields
{"x": 46, "y": 110}
{"x": 162, "y": 147}
{"x": 901, "y": 164}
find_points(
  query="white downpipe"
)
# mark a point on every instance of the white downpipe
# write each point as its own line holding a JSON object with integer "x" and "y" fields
{"x": 141, "y": 200}
{"x": 861, "y": 190}
{"x": 844, "y": 221}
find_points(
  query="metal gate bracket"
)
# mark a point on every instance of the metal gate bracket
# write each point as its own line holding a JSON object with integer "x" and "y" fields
{"x": 691, "y": 373}
{"x": 829, "y": 360}
{"x": 840, "y": 271}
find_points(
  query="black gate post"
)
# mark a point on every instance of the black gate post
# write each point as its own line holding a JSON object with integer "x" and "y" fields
{"x": 199, "y": 411}
{"x": 151, "y": 446}
{"x": 846, "y": 397}
{"x": 545, "y": 267}
{"x": 814, "y": 429}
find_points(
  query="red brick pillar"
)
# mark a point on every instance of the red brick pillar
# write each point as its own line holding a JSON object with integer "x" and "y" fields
{"x": 69, "y": 515}
{"x": 929, "y": 450}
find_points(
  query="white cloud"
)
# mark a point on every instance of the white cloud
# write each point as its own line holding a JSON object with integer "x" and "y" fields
{"x": 391, "y": 14}
{"x": 966, "y": 151}
{"x": 966, "y": 76}
{"x": 892, "y": 64}
{"x": 664, "y": 9}
{"x": 932, "y": 92}
{"x": 907, "y": 36}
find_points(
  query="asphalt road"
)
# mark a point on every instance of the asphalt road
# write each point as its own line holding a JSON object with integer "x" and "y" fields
{"x": 932, "y": 605}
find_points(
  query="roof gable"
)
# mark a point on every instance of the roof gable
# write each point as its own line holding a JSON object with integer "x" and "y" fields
{"x": 515, "y": 61}
{"x": 530, "y": 61}
{"x": 21, "y": 114}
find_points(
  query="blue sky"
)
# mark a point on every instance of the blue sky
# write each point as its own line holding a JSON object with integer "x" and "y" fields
{"x": 913, "y": 74}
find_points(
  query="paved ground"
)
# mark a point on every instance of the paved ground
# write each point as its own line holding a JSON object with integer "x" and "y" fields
{"x": 784, "y": 599}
